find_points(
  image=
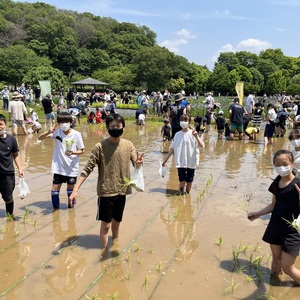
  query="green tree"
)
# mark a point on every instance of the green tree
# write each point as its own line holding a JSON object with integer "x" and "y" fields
{"x": 16, "y": 61}
{"x": 229, "y": 60}
{"x": 56, "y": 76}
{"x": 218, "y": 80}
{"x": 293, "y": 89}
{"x": 276, "y": 83}
{"x": 176, "y": 85}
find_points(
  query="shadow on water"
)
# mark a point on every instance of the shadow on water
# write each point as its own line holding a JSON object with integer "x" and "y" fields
{"x": 257, "y": 274}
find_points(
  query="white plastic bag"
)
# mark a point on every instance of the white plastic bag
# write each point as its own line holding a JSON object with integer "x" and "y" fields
{"x": 162, "y": 170}
{"x": 23, "y": 188}
{"x": 138, "y": 179}
{"x": 296, "y": 224}
{"x": 262, "y": 126}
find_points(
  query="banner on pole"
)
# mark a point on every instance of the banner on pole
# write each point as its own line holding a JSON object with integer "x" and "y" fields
{"x": 45, "y": 86}
{"x": 239, "y": 87}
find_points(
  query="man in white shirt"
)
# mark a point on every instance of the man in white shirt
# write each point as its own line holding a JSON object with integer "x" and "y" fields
{"x": 249, "y": 105}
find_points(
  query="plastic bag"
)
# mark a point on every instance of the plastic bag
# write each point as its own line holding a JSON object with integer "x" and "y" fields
{"x": 23, "y": 188}
{"x": 138, "y": 179}
{"x": 296, "y": 224}
{"x": 262, "y": 126}
{"x": 162, "y": 170}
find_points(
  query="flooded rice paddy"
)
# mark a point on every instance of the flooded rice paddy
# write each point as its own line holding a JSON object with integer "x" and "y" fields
{"x": 198, "y": 246}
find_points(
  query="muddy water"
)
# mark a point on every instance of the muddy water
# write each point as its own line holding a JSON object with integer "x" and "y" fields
{"x": 170, "y": 247}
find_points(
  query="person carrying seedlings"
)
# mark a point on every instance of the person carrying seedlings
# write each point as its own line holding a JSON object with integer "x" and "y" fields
{"x": 9, "y": 152}
{"x": 112, "y": 156}
{"x": 65, "y": 161}
{"x": 283, "y": 237}
{"x": 184, "y": 148}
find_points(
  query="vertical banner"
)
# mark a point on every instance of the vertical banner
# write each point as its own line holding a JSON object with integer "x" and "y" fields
{"x": 239, "y": 87}
{"x": 45, "y": 86}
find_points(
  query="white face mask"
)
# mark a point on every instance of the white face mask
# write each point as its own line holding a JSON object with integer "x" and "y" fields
{"x": 2, "y": 132}
{"x": 283, "y": 170}
{"x": 64, "y": 126}
{"x": 184, "y": 125}
{"x": 295, "y": 143}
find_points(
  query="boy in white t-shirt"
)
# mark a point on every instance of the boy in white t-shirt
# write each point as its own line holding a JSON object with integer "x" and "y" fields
{"x": 65, "y": 161}
{"x": 186, "y": 154}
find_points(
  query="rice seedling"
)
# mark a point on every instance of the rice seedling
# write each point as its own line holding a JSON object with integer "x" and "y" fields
{"x": 235, "y": 256}
{"x": 128, "y": 256}
{"x": 265, "y": 297}
{"x": 150, "y": 249}
{"x": 269, "y": 260}
{"x": 240, "y": 269}
{"x": 257, "y": 261}
{"x": 232, "y": 286}
{"x": 209, "y": 180}
{"x": 159, "y": 266}
{"x": 9, "y": 217}
{"x": 145, "y": 284}
{"x": 17, "y": 230}
{"x": 113, "y": 296}
{"x": 256, "y": 248}
{"x": 35, "y": 224}
{"x": 219, "y": 240}
{"x": 169, "y": 216}
{"x": 94, "y": 297}
{"x": 293, "y": 223}
{"x": 3, "y": 229}
{"x": 139, "y": 260}
{"x": 244, "y": 206}
{"x": 137, "y": 248}
{"x": 249, "y": 279}
{"x": 127, "y": 275}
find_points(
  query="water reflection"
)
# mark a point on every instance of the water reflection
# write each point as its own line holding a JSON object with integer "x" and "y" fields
{"x": 71, "y": 262}
{"x": 180, "y": 225}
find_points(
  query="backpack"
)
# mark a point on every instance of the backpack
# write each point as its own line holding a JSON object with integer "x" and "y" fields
{"x": 173, "y": 111}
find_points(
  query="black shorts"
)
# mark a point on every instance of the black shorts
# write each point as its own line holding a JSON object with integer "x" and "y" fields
{"x": 58, "y": 179}
{"x": 288, "y": 239}
{"x": 7, "y": 186}
{"x": 111, "y": 208}
{"x": 186, "y": 174}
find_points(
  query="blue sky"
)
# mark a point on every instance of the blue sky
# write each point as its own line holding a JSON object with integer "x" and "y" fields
{"x": 200, "y": 30}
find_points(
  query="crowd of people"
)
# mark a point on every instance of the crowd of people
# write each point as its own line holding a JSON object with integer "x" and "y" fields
{"x": 115, "y": 153}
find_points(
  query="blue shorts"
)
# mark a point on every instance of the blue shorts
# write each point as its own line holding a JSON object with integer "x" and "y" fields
{"x": 50, "y": 116}
{"x": 111, "y": 208}
{"x": 186, "y": 174}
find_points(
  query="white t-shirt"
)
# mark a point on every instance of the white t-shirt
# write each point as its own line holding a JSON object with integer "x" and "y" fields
{"x": 249, "y": 100}
{"x": 61, "y": 163}
{"x": 186, "y": 151}
{"x": 272, "y": 115}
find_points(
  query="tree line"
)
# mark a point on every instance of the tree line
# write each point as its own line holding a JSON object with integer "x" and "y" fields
{"x": 42, "y": 42}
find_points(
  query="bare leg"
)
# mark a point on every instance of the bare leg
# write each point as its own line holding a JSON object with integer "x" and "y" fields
{"x": 104, "y": 228}
{"x": 14, "y": 130}
{"x": 276, "y": 262}
{"x": 188, "y": 187}
{"x": 115, "y": 229}
{"x": 288, "y": 266}
{"x": 181, "y": 187}
{"x": 24, "y": 130}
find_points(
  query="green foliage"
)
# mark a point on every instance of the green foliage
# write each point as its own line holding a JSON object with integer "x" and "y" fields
{"x": 123, "y": 54}
{"x": 56, "y": 76}
{"x": 293, "y": 89}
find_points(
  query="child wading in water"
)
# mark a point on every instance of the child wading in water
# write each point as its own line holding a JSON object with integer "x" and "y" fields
{"x": 184, "y": 148}
{"x": 283, "y": 238}
{"x": 65, "y": 161}
{"x": 112, "y": 156}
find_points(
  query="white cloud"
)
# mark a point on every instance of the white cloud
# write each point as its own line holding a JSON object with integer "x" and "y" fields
{"x": 251, "y": 45}
{"x": 174, "y": 45}
{"x": 292, "y": 3}
{"x": 225, "y": 14}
